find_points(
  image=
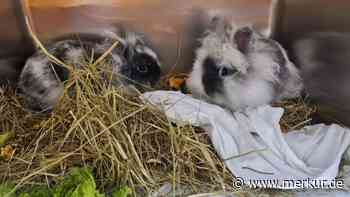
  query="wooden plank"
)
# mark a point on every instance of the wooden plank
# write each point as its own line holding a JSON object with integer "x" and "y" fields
{"x": 300, "y": 16}
{"x": 143, "y": 4}
{"x": 74, "y": 3}
{"x": 12, "y": 38}
{"x": 173, "y": 26}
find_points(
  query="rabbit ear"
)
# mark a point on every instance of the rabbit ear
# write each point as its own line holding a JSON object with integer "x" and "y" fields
{"x": 215, "y": 23}
{"x": 242, "y": 38}
{"x": 219, "y": 25}
{"x": 132, "y": 42}
{"x": 134, "y": 39}
{"x": 129, "y": 52}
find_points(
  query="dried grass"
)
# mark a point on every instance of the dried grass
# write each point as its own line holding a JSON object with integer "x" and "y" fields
{"x": 122, "y": 139}
{"x": 298, "y": 113}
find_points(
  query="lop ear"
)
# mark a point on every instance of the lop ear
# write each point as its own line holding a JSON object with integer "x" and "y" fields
{"x": 242, "y": 38}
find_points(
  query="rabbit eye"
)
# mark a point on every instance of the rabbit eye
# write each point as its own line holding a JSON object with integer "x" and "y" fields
{"x": 142, "y": 68}
{"x": 224, "y": 72}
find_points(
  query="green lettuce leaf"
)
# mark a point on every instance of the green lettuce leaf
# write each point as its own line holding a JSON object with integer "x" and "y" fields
{"x": 37, "y": 192}
{"x": 80, "y": 183}
{"x": 6, "y": 189}
{"x": 123, "y": 192}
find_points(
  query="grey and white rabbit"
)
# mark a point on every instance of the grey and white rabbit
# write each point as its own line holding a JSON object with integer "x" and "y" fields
{"x": 133, "y": 64}
{"x": 324, "y": 60}
{"x": 237, "y": 67}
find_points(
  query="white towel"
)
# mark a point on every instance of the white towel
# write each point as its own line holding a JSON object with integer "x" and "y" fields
{"x": 255, "y": 149}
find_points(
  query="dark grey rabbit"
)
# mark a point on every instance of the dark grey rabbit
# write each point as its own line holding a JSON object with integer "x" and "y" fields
{"x": 237, "y": 67}
{"x": 10, "y": 69}
{"x": 324, "y": 60}
{"x": 134, "y": 65}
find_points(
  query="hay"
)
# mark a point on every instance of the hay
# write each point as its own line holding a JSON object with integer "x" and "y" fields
{"x": 298, "y": 113}
{"x": 124, "y": 140}
{"x": 96, "y": 125}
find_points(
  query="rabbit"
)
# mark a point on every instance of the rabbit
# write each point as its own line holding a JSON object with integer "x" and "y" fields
{"x": 134, "y": 65}
{"x": 10, "y": 68}
{"x": 324, "y": 60}
{"x": 236, "y": 67}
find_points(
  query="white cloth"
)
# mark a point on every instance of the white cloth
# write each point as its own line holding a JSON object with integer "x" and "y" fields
{"x": 252, "y": 144}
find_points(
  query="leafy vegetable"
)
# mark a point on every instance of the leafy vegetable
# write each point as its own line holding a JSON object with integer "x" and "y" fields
{"x": 5, "y": 190}
{"x": 37, "y": 192}
{"x": 79, "y": 183}
{"x": 4, "y": 137}
{"x": 123, "y": 192}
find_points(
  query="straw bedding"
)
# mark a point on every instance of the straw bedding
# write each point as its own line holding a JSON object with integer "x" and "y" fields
{"x": 124, "y": 140}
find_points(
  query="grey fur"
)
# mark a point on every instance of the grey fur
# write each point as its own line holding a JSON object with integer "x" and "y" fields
{"x": 324, "y": 59}
{"x": 41, "y": 81}
{"x": 263, "y": 74}
{"x": 10, "y": 68}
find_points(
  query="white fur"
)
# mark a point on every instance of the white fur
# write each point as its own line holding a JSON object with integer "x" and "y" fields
{"x": 194, "y": 82}
{"x": 36, "y": 66}
{"x": 305, "y": 48}
{"x": 43, "y": 88}
{"x": 137, "y": 41}
{"x": 114, "y": 36}
{"x": 294, "y": 84}
{"x": 251, "y": 93}
{"x": 75, "y": 55}
{"x": 254, "y": 85}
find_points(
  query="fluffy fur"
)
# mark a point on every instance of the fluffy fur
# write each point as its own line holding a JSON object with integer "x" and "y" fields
{"x": 133, "y": 64}
{"x": 237, "y": 67}
{"x": 324, "y": 61}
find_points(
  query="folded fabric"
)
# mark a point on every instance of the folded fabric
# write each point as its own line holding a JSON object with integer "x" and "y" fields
{"x": 254, "y": 148}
